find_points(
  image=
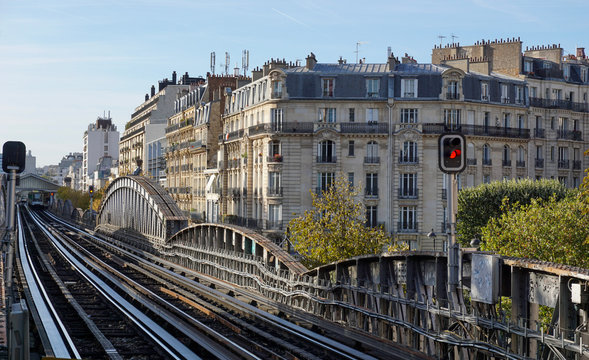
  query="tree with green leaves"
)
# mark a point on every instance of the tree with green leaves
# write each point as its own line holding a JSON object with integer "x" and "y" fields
{"x": 550, "y": 230}
{"x": 335, "y": 229}
{"x": 477, "y": 205}
{"x": 79, "y": 199}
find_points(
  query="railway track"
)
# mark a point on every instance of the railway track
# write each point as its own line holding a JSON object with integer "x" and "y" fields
{"x": 244, "y": 330}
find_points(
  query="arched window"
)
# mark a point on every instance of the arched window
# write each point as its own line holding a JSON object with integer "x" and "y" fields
{"x": 486, "y": 154}
{"x": 326, "y": 152}
{"x": 521, "y": 157}
{"x": 372, "y": 153}
{"x": 506, "y": 155}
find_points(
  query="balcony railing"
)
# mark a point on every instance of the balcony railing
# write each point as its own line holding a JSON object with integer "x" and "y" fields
{"x": 540, "y": 133}
{"x": 411, "y": 193}
{"x": 277, "y": 158}
{"x": 539, "y": 163}
{"x": 371, "y": 160}
{"x": 274, "y": 191}
{"x": 471, "y": 162}
{"x": 520, "y": 163}
{"x": 506, "y": 162}
{"x": 559, "y": 104}
{"x": 364, "y": 128}
{"x": 371, "y": 192}
{"x": 569, "y": 135}
{"x": 480, "y": 130}
{"x": 487, "y": 162}
{"x": 406, "y": 159}
{"x": 577, "y": 164}
{"x": 406, "y": 227}
{"x": 564, "y": 164}
{"x": 180, "y": 125}
{"x": 326, "y": 159}
{"x": 452, "y": 95}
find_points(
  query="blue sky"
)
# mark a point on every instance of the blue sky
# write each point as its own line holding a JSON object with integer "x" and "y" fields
{"x": 63, "y": 63}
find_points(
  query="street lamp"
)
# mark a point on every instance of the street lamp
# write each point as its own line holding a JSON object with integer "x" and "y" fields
{"x": 432, "y": 235}
{"x": 475, "y": 242}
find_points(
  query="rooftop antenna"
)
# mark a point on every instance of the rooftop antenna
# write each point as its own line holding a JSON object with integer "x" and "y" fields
{"x": 358, "y": 49}
{"x": 227, "y": 63}
{"x": 389, "y": 52}
{"x": 453, "y": 37}
{"x": 213, "y": 63}
{"x": 245, "y": 61}
{"x": 236, "y": 70}
{"x": 441, "y": 37}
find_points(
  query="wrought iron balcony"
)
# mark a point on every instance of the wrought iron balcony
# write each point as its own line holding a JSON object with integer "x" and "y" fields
{"x": 569, "y": 135}
{"x": 407, "y": 159}
{"x": 406, "y": 227}
{"x": 563, "y": 164}
{"x": 506, "y": 162}
{"x": 559, "y": 104}
{"x": 274, "y": 191}
{"x": 452, "y": 95}
{"x": 326, "y": 159}
{"x": 371, "y": 192}
{"x": 371, "y": 160}
{"x": 540, "y": 133}
{"x": 539, "y": 163}
{"x": 577, "y": 164}
{"x": 410, "y": 193}
{"x": 495, "y": 131}
{"x": 364, "y": 128}
{"x": 487, "y": 162}
{"x": 520, "y": 163}
{"x": 276, "y": 158}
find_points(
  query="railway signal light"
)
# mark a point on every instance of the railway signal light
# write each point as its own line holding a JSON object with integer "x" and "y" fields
{"x": 91, "y": 190}
{"x": 452, "y": 153}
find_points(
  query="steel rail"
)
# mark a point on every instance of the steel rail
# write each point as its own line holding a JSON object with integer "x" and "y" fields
{"x": 158, "y": 334}
{"x": 60, "y": 342}
{"x": 337, "y": 348}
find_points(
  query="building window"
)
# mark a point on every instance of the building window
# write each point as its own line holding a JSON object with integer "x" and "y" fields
{"x": 409, "y": 88}
{"x": 576, "y": 183}
{"x": 584, "y": 74}
{"x": 324, "y": 180}
{"x": 533, "y": 91}
{"x": 276, "y": 119}
{"x": 352, "y": 114}
{"x": 372, "y": 153}
{"x": 351, "y": 148}
{"x": 506, "y": 156}
{"x": 274, "y": 148}
{"x": 351, "y": 180}
{"x": 504, "y": 93}
{"x": 486, "y": 154}
{"x": 327, "y": 115}
{"x": 276, "y": 89}
{"x": 539, "y": 152}
{"x": 552, "y": 153}
{"x": 452, "y": 90}
{"x": 326, "y": 152}
{"x": 409, "y": 152}
{"x": 274, "y": 183}
{"x": 408, "y": 218}
{"x": 452, "y": 118}
{"x": 506, "y": 120}
{"x": 520, "y": 122}
{"x": 408, "y": 116}
{"x": 519, "y": 95}
{"x": 486, "y": 179}
{"x": 327, "y": 87}
{"x": 484, "y": 91}
{"x": 275, "y": 216}
{"x": 371, "y": 212}
{"x": 527, "y": 67}
{"x": 371, "y": 184}
{"x": 487, "y": 120}
{"x": 371, "y": 115}
{"x": 408, "y": 186}
{"x": 372, "y": 87}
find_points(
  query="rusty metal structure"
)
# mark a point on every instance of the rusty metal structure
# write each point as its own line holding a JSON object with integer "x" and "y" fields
{"x": 503, "y": 307}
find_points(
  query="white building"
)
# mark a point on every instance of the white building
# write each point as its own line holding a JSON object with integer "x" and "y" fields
{"x": 101, "y": 139}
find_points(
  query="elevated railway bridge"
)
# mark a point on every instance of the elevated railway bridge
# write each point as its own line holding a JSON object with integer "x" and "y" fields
{"x": 394, "y": 299}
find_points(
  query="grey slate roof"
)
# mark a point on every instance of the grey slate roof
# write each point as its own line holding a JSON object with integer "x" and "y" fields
{"x": 419, "y": 68}
{"x": 342, "y": 68}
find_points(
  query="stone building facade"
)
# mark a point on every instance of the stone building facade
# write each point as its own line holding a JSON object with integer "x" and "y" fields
{"x": 294, "y": 128}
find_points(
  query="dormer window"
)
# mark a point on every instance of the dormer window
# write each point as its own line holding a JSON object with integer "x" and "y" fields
{"x": 409, "y": 88}
{"x": 504, "y": 93}
{"x": 276, "y": 89}
{"x": 484, "y": 91}
{"x": 528, "y": 68}
{"x": 519, "y": 95}
{"x": 327, "y": 87}
{"x": 372, "y": 87}
{"x": 452, "y": 93}
{"x": 566, "y": 71}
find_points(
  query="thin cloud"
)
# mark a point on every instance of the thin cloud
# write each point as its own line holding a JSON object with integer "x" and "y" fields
{"x": 290, "y": 18}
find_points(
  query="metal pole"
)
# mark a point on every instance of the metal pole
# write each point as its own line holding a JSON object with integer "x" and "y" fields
{"x": 452, "y": 187}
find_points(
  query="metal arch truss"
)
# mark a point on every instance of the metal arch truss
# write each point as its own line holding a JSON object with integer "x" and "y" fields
{"x": 137, "y": 206}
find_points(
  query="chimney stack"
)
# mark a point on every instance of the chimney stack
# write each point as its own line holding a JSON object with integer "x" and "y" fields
{"x": 174, "y": 78}
{"x": 311, "y": 61}
{"x": 580, "y": 53}
{"x": 146, "y": 97}
{"x": 152, "y": 90}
